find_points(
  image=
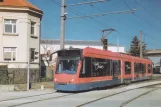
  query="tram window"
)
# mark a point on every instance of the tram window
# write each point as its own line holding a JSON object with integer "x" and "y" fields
{"x": 100, "y": 67}
{"x": 82, "y": 70}
{"x": 140, "y": 68}
{"x": 116, "y": 67}
{"x": 143, "y": 68}
{"x": 86, "y": 68}
{"x": 137, "y": 68}
{"x": 149, "y": 68}
{"x": 127, "y": 67}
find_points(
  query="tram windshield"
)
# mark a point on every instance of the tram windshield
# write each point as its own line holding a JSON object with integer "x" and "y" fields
{"x": 67, "y": 65}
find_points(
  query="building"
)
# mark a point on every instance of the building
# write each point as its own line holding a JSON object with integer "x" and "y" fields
{"x": 54, "y": 45}
{"x": 20, "y": 39}
{"x": 155, "y": 56}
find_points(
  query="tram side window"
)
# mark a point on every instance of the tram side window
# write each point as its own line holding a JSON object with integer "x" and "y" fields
{"x": 127, "y": 67}
{"x": 142, "y": 68}
{"x": 82, "y": 71}
{"x": 149, "y": 68}
{"x": 86, "y": 68}
{"x": 145, "y": 68}
{"x": 137, "y": 66}
{"x": 100, "y": 67}
{"x": 116, "y": 67}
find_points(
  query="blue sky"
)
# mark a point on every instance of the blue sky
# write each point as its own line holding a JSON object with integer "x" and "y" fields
{"x": 147, "y": 19}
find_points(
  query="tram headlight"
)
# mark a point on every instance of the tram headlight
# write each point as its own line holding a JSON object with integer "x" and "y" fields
{"x": 55, "y": 79}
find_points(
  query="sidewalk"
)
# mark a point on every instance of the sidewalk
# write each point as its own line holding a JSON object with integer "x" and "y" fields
{"x": 12, "y": 95}
{"x": 22, "y": 87}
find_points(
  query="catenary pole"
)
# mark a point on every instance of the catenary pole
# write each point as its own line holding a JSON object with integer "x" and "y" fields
{"x": 62, "y": 31}
{"x": 141, "y": 49}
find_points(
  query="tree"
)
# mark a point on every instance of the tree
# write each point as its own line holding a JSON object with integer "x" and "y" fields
{"x": 135, "y": 47}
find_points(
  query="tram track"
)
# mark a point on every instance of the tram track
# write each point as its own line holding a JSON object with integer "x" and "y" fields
{"x": 128, "y": 101}
{"x": 38, "y": 100}
{"x": 132, "y": 99}
{"x": 26, "y": 97}
{"x": 132, "y": 83}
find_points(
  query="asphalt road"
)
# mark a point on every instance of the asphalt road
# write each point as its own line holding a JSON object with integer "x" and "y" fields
{"x": 152, "y": 99}
{"x": 142, "y": 97}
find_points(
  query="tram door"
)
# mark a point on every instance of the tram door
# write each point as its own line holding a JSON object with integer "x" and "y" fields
{"x": 116, "y": 69}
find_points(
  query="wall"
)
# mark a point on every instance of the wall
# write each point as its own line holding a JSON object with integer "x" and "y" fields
{"x": 23, "y": 41}
{"x": 34, "y": 40}
{"x": 18, "y": 40}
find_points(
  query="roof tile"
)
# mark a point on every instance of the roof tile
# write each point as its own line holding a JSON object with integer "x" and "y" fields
{"x": 19, "y": 3}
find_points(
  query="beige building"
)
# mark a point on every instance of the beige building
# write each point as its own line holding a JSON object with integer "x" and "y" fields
{"x": 19, "y": 39}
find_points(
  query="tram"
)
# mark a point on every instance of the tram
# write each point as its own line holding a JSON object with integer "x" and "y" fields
{"x": 90, "y": 68}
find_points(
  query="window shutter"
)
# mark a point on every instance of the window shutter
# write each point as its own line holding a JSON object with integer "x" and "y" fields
{"x": 7, "y": 55}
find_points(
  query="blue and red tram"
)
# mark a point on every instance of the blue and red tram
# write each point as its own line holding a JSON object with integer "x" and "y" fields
{"x": 89, "y": 68}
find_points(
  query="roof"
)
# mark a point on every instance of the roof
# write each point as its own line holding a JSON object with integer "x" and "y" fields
{"x": 113, "y": 54}
{"x": 75, "y": 42}
{"x": 19, "y": 4}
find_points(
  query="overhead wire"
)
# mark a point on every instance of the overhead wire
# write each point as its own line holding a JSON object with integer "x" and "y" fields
{"x": 98, "y": 10}
{"x": 110, "y": 16}
{"x": 148, "y": 11}
{"x": 128, "y": 7}
{"x": 91, "y": 2}
{"x": 135, "y": 14}
{"x": 140, "y": 17}
{"x": 79, "y": 13}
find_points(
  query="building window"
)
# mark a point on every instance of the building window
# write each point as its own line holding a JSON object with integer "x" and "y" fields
{"x": 10, "y": 25}
{"x": 9, "y": 54}
{"x": 33, "y": 28}
{"x": 32, "y": 54}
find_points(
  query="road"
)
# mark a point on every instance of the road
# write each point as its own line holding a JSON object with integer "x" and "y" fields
{"x": 141, "y": 97}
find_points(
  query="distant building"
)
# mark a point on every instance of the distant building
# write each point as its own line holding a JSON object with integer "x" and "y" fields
{"x": 54, "y": 45}
{"x": 50, "y": 46}
{"x": 155, "y": 56}
{"x": 20, "y": 38}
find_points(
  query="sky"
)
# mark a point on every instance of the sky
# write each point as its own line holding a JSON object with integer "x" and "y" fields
{"x": 147, "y": 19}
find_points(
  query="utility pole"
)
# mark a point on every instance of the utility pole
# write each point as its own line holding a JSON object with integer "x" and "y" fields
{"x": 62, "y": 31}
{"x": 141, "y": 49}
{"x": 28, "y": 67}
{"x": 28, "y": 73}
